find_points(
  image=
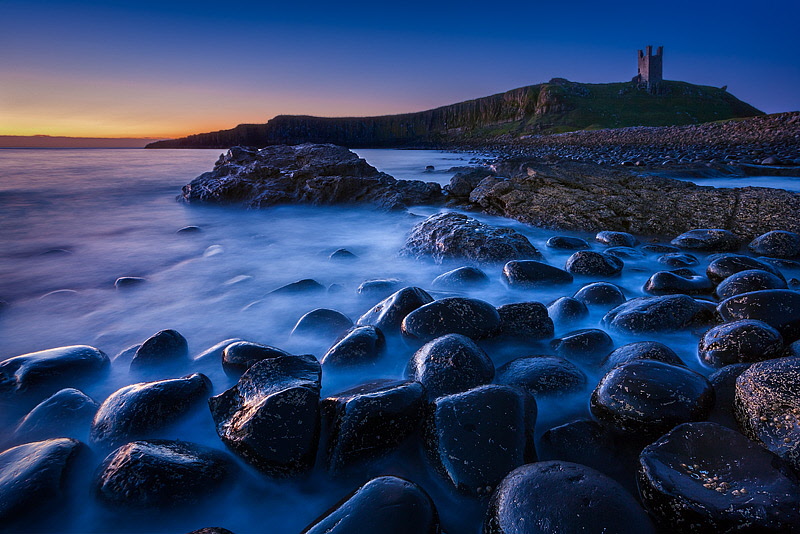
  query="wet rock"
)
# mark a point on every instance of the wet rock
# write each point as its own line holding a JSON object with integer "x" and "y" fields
{"x": 748, "y": 281}
{"x": 307, "y": 285}
{"x": 161, "y": 474}
{"x": 624, "y": 253}
{"x": 528, "y": 320}
{"x": 590, "y": 263}
{"x": 363, "y": 345}
{"x": 588, "y": 501}
{"x": 667, "y": 283}
{"x": 211, "y": 530}
{"x": 678, "y": 259}
{"x": 162, "y": 349}
{"x": 600, "y": 294}
{"x": 322, "y": 322}
{"x": 342, "y": 254}
{"x": 387, "y": 504}
{"x": 708, "y": 240}
{"x": 657, "y": 314}
{"x": 561, "y": 242}
{"x": 461, "y": 278}
{"x": 142, "y": 410}
{"x": 725, "y": 265}
{"x": 271, "y": 416}
{"x": 526, "y": 274}
{"x": 453, "y": 315}
{"x": 566, "y": 311}
{"x": 66, "y": 414}
{"x": 794, "y": 349}
{"x": 378, "y": 288}
{"x": 779, "y": 308}
{"x": 215, "y": 351}
{"x": 450, "y": 364}
{"x": 616, "y": 239}
{"x": 126, "y": 282}
{"x": 589, "y": 345}
{"x": 451, "y": 235}
{"x": 33, "y": 479}
{"x": 744, "y": 341}
{"x": 541, "y": 375}
{"x": 389, "y": 313}
{"x": 45, "y": 372}
{"x": 641, "y": 350}
{"x": 724, "y": 383}
{"x": 239, "y": 356}
{"x": 190, "y": 230}
{"x": 648, "y": 397}
{"x": 703, "y": 477}
{"x": 463, "y": 182}
{"x": 658, "y": 248}
{"x": 767, "y": 406}
{"x": 473, "y": 439}
{"x": 368, "y": 421}
{"x": 776, "y": 244}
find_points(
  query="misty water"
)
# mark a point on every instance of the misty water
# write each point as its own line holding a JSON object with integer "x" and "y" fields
{"x": 73, "y": 221}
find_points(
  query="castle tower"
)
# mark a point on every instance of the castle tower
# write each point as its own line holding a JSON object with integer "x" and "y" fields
{"x": 650, "y": 68}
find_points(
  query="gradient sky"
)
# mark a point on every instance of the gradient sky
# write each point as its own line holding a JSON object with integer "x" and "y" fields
{"x": 145, "y": 68}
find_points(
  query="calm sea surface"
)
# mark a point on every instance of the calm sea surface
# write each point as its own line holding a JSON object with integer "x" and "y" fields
{"x": 72, "y": 221}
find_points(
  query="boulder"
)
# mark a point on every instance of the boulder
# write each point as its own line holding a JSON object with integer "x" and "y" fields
{"x": 66, "y": 414}
{"x": 271, "y": 416}
{"x": 600, "y": 294}
{"x": 542, "y": 375}
{"x": 304, "y": 174}
{"x": 239, "y": 356}
{"x": 463, "y": 182}
{"x": 678, "y": 259}
{"x": 389, "y": 313}
{"x": 342, "y": 254}
{"x": 668, "y": 283}
{"x": 450, "y": 364}
{"x": 452, "y": 315}
{"x": 528, "y": 320}
{"x": 143, "y": 410}
{"x": 590, "y": 263}
{"x": 641, "y": 350}
{"x": 776, "y": 244}
{"x": 589, "y": 345}
{"x": 378, "y": 289}
{"x": 724, "y": 383}
{"x": 561, "y": 242}
{"x": 461, "y": 278}
{"x": 749, "y": 281}
{"x": 744, "y": 341}
{"x": 161, "y": 474}
{"x": 722, "y": 266}
{"x": 779, "y": 308}
{"x": 388, "y": 504}
{"x": 306, "y": 285}
{"x": 475, "y": 438}
{"x": 322, "y": 322}
{"x": 668, "y": 313}
{"x": 658, "y": 248}
{"x": 530, "y": 274}
{"x": 708, "y": 240}
{"x": 616, "y": 239}
{"x": 166, "y": 348}
{"x": 566, "y": 311}
{"x": 454, "y": 236}
{"x": 363, "y": 345}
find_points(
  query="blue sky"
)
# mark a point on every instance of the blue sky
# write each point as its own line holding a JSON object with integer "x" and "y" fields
{"x": 124, "y": 68}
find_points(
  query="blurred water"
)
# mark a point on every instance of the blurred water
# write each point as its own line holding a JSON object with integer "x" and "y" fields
{"x": 78, "y": 219}
{"x": 790, "y": 183}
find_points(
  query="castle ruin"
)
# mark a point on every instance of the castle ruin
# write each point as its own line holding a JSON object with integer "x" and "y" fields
{"x": 650, "y": 69}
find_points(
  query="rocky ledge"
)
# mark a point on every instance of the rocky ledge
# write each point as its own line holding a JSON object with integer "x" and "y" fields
{"x": 304, "y": 174}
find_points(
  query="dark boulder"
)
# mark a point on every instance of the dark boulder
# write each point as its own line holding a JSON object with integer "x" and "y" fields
{"x": 541, "y": 375}
{"x": 590, "y": 263}
{"x": 724, "y": 383}
{"x": 624, "y": 253}
{"x": 378, "y": 289}
{"x": 704, "y": 477}
{"x": 667, "y": 283}
{"x": 389, "y": 505}
{"x": 45, "y": 372}
{"x": 678, "y": 260}
{"x": 616, "y": 239}
{"x": 641, "y": 350}
{"x": 708, "y": 240}
{"x": 528, "y": 320}
{"x": 166, "y": 348}
{"x": 658, "y": 248}
{"x": 368, "y": 421}
{"x": 307, "y": 285}
{"x": 214, "y": 352}
{"x": 744, "y": 341}
{"x": 667, "y": 313}
{"x": 239, "y": 356}
{"x": 556, "y": 496}
{"x": 450, "y": 236}
{"x": 722, "y": 266}
{"x": 527, "y": 274}
{"x": 648, "y": 397}
{"x": 463, "y": 182}
{"x": 342, "y": 254}
{"x": 189, "y": 230}
{"x": 561, "y": 242}
{"x": 33, "y": 480}
{"x": 271, "y": 416}
{"x": 144, "y": 410}
{"x": 127, "y": 282}
{"x": 66, "y": 414}
{"x": 322, "y": 322}
{"x": 600, "y": 294}
{"x": 389, "y": 313}
{"x": 779, "y": 308}
{"x": 776, "y": 244}
{"x": 589, "y": 345}
{"x": 453, "y": 315}
{"x": 475, "y": 438}
{"x": 450, "y": 364}
{"x": 461, "y": 278}
{"x": 566, "y": 311}
{"x": 363, "y": 345}
{"x": 749, "y": 281}
{"x": 161, "y": 474}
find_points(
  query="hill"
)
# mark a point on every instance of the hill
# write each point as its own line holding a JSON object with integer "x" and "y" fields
{"x": 554, "y": 107}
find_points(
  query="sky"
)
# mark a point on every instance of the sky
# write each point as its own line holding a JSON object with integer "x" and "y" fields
{"x": 163, "y": 69}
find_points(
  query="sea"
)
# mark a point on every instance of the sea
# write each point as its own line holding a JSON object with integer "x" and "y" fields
{"x": 72, "y": 221}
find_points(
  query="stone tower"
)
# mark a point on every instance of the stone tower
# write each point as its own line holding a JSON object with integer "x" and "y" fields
{"x": 650, "y": 69}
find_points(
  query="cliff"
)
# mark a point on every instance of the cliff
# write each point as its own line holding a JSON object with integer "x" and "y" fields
{"x": 553, "y": 107}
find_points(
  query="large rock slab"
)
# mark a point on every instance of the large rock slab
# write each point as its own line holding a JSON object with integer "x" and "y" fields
{"x": 304, "y": 174}
{"x": 451, "y": 236}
